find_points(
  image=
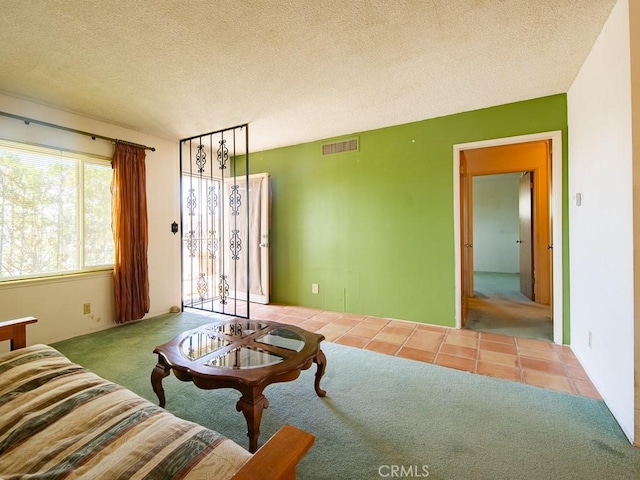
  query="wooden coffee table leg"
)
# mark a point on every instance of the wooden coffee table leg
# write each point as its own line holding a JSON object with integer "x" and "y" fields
{"x": 160, "y": 371}
{"x": 252, "y": 410}
{"x": 321, "y": 360}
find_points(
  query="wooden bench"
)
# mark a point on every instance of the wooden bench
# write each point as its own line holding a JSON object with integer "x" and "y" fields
{"x": 16, "y": 331}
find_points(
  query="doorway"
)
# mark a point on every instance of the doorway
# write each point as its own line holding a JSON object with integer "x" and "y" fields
{"x": 503, "y": 299}
{"x": 471, "y": 160}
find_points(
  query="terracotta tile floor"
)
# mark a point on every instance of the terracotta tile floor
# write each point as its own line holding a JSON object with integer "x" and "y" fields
{"x": 534, "y": 362}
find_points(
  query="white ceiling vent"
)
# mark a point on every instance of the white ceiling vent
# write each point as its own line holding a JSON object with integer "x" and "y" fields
{"x": 350, "y": 145}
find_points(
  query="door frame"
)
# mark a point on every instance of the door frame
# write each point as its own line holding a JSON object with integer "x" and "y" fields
{"x": 555, "y": 212}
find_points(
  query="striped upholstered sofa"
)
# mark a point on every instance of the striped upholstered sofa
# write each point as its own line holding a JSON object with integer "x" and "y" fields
{"x": 57, "y": 419}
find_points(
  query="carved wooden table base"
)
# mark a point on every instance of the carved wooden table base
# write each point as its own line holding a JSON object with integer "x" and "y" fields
{"x": 219, "y": 355}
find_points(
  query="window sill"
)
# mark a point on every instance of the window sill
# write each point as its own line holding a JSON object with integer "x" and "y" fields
{"x": 71, "y": 277}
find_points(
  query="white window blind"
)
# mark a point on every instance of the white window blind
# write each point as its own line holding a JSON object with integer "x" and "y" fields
{"x": 55, "y": 212}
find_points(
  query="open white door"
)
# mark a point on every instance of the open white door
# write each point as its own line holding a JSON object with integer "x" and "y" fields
{"x": 257, "y": 198}
{"x": 525, "y": 242}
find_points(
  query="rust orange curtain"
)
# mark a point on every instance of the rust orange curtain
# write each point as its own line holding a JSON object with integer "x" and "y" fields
{"x": 130, "y": 232}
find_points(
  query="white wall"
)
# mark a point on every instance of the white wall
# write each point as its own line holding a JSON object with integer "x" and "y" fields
{"x": 601, "y": 239}
{"x": 496, "y": 224}
{"x": 58, "y": 303}
{"x": 634, "y": 32}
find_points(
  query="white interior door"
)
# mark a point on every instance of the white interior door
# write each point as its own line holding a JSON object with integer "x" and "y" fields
{"x": 525, "y": 241}
{"x": 254, "y": 229}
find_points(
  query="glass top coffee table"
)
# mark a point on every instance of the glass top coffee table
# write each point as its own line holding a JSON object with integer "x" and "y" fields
{"x": 243, "y": 354}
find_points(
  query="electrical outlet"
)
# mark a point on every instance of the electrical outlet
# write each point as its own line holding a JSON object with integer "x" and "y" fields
{"x": 314, "y": 288}
{"x": 86, "y": 308}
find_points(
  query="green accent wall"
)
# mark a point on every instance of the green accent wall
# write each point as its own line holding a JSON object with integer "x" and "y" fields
{"x": 375, "y": 228}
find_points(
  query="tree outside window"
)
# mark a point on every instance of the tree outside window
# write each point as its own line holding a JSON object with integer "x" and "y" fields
{"x": 55, "y": 212}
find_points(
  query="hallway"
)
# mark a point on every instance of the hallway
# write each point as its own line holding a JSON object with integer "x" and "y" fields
{"x": 499, "y": 307}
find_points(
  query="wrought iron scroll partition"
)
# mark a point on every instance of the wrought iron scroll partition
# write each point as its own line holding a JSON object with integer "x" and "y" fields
{"x": 215, "y": 221}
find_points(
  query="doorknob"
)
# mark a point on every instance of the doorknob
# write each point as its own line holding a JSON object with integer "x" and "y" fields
{"x": 468, "y": 245}
{"x": 263, "y": 245}
{"x": 518, "y": 241}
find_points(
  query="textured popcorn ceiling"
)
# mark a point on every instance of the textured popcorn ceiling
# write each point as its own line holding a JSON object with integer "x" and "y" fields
{"x": 296, "y": 71}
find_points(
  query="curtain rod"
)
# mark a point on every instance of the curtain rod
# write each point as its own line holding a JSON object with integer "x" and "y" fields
{"x": 27, "y": 121}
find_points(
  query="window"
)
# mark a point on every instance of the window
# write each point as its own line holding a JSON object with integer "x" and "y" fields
{"x": 55, "y": 212}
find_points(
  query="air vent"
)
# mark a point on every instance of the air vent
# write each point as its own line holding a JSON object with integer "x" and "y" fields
{"x": 340, "y": 147}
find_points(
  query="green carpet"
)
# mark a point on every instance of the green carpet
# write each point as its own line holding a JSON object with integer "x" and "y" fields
{"x": 385, "y": 414}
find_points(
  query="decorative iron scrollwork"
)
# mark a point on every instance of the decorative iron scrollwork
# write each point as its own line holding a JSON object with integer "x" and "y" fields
{"x": 235, "y": 329}
{"x": 223, "y": 154}
{"x": 214, "y": 213}
{"x": 201, "y": 158}
{"x": 212, "y": 200}
{"x": 212, "y": 244}
{"x": 235, "y": 200}
{"x": 235, "y": 244}
{"x": 191, "y": 243}
{"x": 223, "y": 289}
{"x": 203, "y": 286}
{"x": 191, "y": 202}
